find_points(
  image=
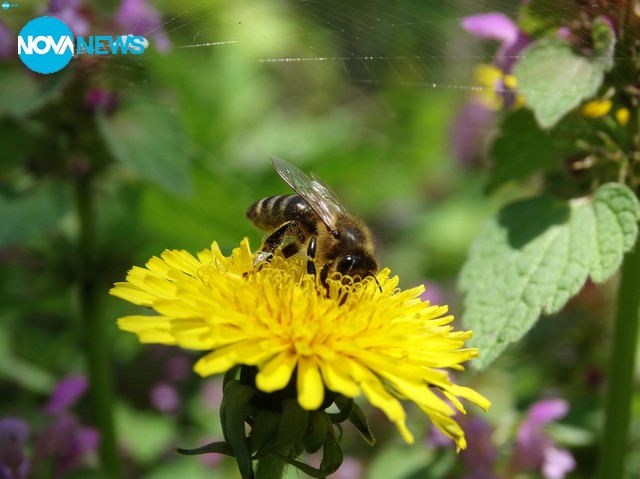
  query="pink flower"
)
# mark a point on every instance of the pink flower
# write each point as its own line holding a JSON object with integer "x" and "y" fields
{"x": 497, "y": 26}
{"x": 65, "y": 394}
{"x": 139, "y": 18}
{"x": 70, "y": 12}
{"x": 535, "y": 449}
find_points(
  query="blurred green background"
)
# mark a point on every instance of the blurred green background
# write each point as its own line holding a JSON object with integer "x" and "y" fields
{"x": 361, "y": 93}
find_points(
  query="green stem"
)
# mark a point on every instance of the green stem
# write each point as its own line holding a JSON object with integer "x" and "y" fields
{"x": 620, "y": 386}
{"x": 271, "y": 467}
{"x": 95, "y": 337}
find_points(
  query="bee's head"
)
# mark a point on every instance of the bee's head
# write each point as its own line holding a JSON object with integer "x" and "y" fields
{"x": 360, "y": 264}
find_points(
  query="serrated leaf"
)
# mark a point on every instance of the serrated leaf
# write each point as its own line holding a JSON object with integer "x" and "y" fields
{"x": 146, "y": 137}
{"x": 554, "y": 79}
{"x": 31, "y": 213}
{"x": 537, "y": 254}
{"x": 616, "y": 228}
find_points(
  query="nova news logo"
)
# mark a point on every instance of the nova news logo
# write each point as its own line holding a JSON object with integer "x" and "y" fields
{"x": 46, "y": 45}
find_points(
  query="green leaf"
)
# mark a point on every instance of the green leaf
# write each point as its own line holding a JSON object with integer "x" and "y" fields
{"x": 146, "y": 137}
{"x": 604, "y": 43}
{"x": 22, "y": 93}
{"x": 31, "y": 213}
{"x": 554, "y": 79}
{"x": 522, "y": 148}
{"x": 537, "y": 254}
{"x": 145, "y": 435}
{"x": 399, "y": 461}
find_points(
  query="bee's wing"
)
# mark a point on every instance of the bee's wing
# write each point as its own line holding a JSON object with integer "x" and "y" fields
{"x": 322, "y": 200}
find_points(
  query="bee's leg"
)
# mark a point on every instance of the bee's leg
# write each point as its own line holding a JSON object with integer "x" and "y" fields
{"x": 274, "y": 240}
{"x": 324, "y": 273}
{"x": 311, "y": 254}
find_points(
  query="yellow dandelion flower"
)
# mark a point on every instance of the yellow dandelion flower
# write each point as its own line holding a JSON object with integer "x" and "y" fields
{"x": 596, "y": 108}
{"x": 350, "y": 338}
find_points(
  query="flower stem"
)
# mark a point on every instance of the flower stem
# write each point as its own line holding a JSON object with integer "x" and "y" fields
{"x": 620, "y": 387}
{"x": 271, "y": 467}
{"x": 95, "y": 338}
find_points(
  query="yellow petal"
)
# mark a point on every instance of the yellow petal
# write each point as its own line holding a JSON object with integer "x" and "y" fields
{"x": 380, "y": 398}
{"x": 276, "y": 374}
{"x": 310, "y": 386}
{"x": 337, "y": 380}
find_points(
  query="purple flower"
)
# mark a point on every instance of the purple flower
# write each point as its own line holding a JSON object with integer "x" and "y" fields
{"x": 65, "y": 394}
{"x": 13, "y": 436}
{"x": 98, "y": 99}
{"x": 497, "y": 26}
{"x": 535, "y": 449}
{"x": 8, "y": 47}
{"x": 481, "y": 454}
{"x": 474, "y": 121}
{"x": 432, "y": 293}
{"x": 66, "y": 442}
{"x": 165, "y": 397}
{"x": 351, "y": 468}
{"x": 70, "y": 12}
{"x": 469, "y": 130}
{"x": 138, "y": 18}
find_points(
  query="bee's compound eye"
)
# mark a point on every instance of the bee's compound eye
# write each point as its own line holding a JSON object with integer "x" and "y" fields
{"x": 346, "y": 263}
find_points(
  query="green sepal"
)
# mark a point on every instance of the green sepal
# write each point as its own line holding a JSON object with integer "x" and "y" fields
{"x": 318, "y": 430}
{"x": 345, "y": 405}
{"x": 331, "y": 460}
{"x": 291, "y": 428}
{"x": 230, "y": 375}
{"x": 357, "y": 418}
{"x": 221, "y": 447}
{"x": 263, "y": 430}
{"x": 331, "y": 456}
{"x": 236, "y": 407}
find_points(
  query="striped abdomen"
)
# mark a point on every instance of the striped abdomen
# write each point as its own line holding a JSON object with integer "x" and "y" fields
{"x": 270, "y": 213}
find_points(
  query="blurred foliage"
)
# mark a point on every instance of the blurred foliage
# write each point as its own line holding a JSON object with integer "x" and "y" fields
{"x": 361, "y": 93}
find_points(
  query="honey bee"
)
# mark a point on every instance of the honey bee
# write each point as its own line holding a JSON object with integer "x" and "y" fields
{"x": 314, "y": 218}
